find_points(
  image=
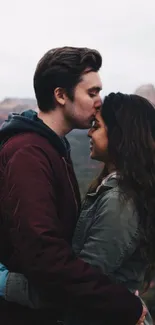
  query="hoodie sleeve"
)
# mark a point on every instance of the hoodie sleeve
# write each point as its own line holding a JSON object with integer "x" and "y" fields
{"x": 41, "y": 252}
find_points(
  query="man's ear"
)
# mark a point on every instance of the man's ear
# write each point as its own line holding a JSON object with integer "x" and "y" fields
{"x": 60, "y": 95}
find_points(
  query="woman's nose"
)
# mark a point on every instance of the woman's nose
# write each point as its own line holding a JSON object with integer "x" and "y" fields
{"x": 90, "y": 133}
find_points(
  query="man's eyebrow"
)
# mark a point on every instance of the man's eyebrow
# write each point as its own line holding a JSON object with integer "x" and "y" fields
{"x": 97, "y": 89}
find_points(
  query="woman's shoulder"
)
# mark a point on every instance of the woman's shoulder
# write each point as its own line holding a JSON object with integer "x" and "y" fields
{"x": 113, "y": 204}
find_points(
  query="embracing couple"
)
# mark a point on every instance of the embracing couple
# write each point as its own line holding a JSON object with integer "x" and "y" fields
{"x": 63, "y": 262}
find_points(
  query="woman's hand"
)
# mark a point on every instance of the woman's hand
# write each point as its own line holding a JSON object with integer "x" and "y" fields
{"x": 142, "y": 318}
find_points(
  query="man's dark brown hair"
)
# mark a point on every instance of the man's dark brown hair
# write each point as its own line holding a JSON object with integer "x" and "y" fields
{"x": 62, "y": 67}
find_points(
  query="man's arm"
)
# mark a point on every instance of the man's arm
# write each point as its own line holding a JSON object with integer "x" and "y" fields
{"x": 44, "y": 256}
{"x": 14, "y": 287}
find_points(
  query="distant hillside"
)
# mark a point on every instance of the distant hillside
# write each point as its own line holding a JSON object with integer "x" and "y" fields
{"x": 86, "y": 169}
{"x": 15, "y": 105}
{"x": 147, "y": 91}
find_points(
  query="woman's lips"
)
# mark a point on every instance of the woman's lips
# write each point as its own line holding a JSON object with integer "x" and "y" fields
{"x": 91, "y": 145}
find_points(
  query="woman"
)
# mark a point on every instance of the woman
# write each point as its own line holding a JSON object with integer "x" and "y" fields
{"x": 116, "y": 228}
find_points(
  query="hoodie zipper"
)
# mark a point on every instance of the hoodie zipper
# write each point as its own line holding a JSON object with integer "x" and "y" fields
{"x": 71, "y": 185}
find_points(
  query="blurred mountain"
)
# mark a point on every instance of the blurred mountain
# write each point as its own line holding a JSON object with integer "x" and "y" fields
{"x": 16, "y": 105}
{"x": 10, "y": 103}
{"x": 86, "y": 169}
{"x": 147, "y": 91}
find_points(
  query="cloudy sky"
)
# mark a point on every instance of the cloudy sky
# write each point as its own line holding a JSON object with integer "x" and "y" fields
{"x": 123, "y": 31}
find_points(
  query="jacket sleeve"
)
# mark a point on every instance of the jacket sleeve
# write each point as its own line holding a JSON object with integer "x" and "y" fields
{"x": 40, "y": 250}
{"x": 18, "y": 289}
{"x": 113, "y": 235}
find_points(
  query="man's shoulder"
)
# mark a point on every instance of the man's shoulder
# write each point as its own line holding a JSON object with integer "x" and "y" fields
{"x": 26, "y": 139}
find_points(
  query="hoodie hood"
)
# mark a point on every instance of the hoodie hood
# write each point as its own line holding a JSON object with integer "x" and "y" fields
{"x": 28, "y": 121}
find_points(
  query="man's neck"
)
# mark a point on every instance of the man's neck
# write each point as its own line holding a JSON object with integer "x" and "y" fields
{"x": 55, "y": 120}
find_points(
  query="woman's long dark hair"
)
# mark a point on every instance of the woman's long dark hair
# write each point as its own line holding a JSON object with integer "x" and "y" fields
{"x": 130, "y": 120}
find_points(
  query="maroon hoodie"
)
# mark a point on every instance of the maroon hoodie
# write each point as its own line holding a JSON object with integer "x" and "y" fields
{"x": 39, "y": 208}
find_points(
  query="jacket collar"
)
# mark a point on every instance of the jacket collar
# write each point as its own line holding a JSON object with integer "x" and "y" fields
{"x": 108, "y": 182}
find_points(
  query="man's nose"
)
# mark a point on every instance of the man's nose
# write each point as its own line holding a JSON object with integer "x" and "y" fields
{"x": 98, "y": 103}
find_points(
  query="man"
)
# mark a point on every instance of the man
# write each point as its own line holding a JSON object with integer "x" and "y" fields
{"x": 40, "y": 199}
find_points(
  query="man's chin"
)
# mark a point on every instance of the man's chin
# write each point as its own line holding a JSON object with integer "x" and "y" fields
{"x": 81, "y": 127}
{"x": 86, "y": 125}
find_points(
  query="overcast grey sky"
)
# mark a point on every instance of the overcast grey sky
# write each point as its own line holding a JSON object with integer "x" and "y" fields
{"x": 123, "y": 31}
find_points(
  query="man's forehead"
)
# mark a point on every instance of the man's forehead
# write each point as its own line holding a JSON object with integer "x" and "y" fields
{"x": 92, "y": 81}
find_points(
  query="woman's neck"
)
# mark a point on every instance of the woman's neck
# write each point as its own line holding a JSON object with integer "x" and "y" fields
{"x": 110, "y": 168}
